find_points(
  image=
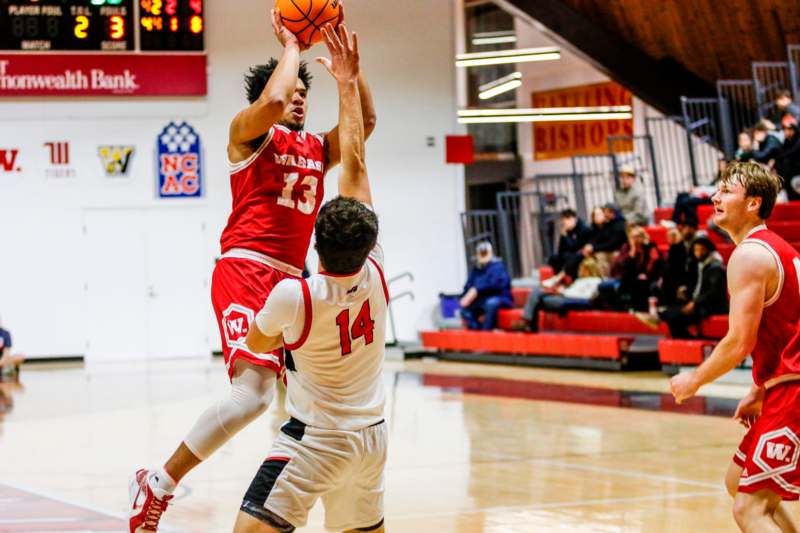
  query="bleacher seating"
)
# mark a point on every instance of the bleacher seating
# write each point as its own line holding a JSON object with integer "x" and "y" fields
{"x": 782, "y": 212}
{"x": 602, "y": 335}
{"x": 529, "y": 344}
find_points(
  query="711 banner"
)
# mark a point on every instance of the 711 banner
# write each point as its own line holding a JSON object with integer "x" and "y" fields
{"x": 179, "y": 162}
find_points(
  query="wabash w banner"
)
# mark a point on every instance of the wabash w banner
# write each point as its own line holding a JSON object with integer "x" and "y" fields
{"x": 116, "y": 74}
{"x": 179, "y": 158}
{"x": 556, "y": 140}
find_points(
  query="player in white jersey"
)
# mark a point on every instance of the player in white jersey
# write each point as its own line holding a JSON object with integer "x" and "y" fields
{"x": 333, "y": 328}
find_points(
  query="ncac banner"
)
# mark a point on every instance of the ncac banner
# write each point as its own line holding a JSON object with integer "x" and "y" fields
{"x": 179, "y": 154}
{"x": 556, "y": 140}
{"x": 108, "y": 74}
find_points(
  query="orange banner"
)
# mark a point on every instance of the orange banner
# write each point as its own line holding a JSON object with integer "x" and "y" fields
{"x": 556, "y": 140}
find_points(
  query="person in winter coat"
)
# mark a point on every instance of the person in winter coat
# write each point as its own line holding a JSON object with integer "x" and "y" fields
{"x": 488, "y": 289}
{"x": 574, "y": 235}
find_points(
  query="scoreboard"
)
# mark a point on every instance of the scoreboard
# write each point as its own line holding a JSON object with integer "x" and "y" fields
{"x": 102, "y": 25}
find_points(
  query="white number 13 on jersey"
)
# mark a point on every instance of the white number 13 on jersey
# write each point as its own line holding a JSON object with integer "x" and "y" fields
{"x": 306, "y": 204}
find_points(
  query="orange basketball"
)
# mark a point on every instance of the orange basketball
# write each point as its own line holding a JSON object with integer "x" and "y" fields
{"x": 305, "y": 18}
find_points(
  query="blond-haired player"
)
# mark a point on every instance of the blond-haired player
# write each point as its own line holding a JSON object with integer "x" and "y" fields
{"x": 764, "y": 287}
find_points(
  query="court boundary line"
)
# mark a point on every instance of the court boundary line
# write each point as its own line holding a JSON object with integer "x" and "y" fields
{"x": 554, "y": 505}
{"x": 626, "y": 473}
{"x": 65, "y": 501}
{"x": 577, "y": 466}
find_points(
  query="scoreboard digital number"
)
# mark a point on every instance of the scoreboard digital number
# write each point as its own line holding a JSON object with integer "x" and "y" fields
{"x": 171, "y": 25}
{"x": 102, "y": 25}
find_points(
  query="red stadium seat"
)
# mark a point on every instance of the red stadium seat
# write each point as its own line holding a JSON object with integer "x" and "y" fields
{"x": 714, "y": 327}
{"x": 683, "y": 352}
{"x": 658, "y": 234}
{"x": 598, "y": 322}
{"x": 543, "y": 344}
{"x": 520, "y": 295}
{"x": 546, "y": 272}
{"x": 507, "y": 317}
{"x": 782, "y": 212}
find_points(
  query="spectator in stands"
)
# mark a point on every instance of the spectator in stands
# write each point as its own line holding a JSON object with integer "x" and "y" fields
{"x": 578, "y": 295}
{"x": 708, "y": 296}
{"x": 629, "y": 197}
{"x": 680, "y": 268}
{"x": 569, "y": 271}
{"x": 787, "y": 161}
{"x": 784, "y": 108}
{"x": 574, "y": 235}
{"x": 488, "y": 289}
{"x": 765, "y": 145}
{"x": 745, "y": 144}
{"x": 9, "y": 364}
{"x": 608, "y": 239}
{"x": 633, "y": 272}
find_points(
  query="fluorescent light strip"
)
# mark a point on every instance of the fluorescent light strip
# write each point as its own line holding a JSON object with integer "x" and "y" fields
{"x": 543, "y": 111}
{"x": 482, "y": 41}
{"x": 506, "y": 53}
{"x": 500, "y": 81}
{"x": 545, "y": 118}
{"x": 506, "y": 60}
{"x": 500, "y": 89}
{"x": 548, "y": 53}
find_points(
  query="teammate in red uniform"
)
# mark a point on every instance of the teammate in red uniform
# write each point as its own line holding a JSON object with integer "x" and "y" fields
{"x": 764, "y": 287}
{"x": 277, "y": 172}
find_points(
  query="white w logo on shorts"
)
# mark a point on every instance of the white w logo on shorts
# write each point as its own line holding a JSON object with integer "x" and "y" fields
{"x": 778, "y": 451}
{"x": 235, "y": 326}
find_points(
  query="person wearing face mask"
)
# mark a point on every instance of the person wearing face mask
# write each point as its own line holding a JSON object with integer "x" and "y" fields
{"x": 488, "y": 289}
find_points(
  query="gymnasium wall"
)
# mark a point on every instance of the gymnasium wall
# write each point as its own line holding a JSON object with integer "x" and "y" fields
{"x": 95, "y": 259}
{"x": 571, "y": 70}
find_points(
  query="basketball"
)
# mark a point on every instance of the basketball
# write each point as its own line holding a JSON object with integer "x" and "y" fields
{"x": 305, "y": 18}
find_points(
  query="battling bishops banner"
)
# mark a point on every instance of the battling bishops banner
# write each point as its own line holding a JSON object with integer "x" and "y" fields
{"x": 556, "y": 140}
{"x": 179, "y": 162}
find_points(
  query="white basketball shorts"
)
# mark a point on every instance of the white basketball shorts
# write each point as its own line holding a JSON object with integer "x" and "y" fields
{"x": 343, "y": 468}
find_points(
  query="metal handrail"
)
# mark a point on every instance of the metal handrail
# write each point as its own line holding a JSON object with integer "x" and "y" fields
{"x": 398, "y": 277}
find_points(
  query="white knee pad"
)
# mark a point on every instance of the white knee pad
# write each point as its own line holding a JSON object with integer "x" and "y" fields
{"x": 250, "y": 395}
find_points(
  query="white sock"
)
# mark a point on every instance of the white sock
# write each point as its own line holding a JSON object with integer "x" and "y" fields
{"x": 159, "y": 479}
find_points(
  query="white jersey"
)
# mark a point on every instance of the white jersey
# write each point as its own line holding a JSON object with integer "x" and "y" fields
{"x": 334, "y": 328}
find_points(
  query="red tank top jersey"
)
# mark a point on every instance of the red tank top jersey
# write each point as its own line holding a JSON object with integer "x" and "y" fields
{"x": 277, "y": 193}
{"x": 776, "y": 356}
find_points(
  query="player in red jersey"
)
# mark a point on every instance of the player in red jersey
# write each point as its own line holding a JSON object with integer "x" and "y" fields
{"x": 764, "y": 287}
{"x": 277, "y": 172}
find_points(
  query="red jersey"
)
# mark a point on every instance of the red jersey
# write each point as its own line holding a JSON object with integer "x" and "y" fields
{"x": 776, "y": 357}
{"x": 277, "y": 193}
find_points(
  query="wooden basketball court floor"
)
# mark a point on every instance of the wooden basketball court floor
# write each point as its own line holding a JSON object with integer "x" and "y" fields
{"x": 473, "y": 448}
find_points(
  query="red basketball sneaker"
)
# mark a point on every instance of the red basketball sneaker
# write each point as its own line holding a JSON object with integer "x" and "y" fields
{"x": 147, "y": 503}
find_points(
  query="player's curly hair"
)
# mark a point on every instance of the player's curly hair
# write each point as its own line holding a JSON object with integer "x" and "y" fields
{"x": 257, "y": 77}
{"x": 346, "y": 232}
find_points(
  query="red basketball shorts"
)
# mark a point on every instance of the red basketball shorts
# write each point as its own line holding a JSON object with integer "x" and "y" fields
{"x": 770, "y": 451}
{"x": 239, "y": 288}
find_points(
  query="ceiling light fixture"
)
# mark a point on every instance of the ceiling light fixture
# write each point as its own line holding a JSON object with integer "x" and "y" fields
{"x": 544, "y": 114}
{"x": 500, "y": 86}
{"x": 501, "y": 57}
{"x": 493, "y": 37}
